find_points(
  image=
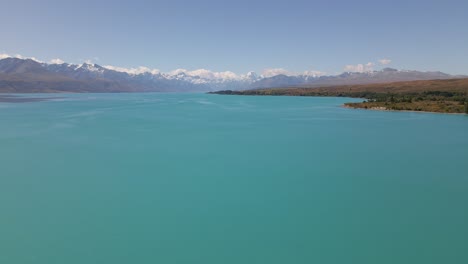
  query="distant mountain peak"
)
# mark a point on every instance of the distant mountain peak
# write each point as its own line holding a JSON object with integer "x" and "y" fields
{"x": 389, "y": 69}
{"x": 27, "y": 75}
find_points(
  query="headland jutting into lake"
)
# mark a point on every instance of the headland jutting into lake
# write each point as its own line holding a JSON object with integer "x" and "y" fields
{"x": 441, "y": 96}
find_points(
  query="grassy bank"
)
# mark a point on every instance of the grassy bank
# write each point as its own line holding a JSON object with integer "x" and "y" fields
{"x": 443, "y": 96}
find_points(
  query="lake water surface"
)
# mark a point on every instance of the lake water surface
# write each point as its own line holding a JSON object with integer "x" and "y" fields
{"x": 195, "y": 178}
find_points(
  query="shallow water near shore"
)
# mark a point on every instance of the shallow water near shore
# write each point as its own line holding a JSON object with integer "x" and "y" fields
{"x": 196, "y": 178}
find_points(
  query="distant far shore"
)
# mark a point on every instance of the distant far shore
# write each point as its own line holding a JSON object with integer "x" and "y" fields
{"x": 434, "y": 96}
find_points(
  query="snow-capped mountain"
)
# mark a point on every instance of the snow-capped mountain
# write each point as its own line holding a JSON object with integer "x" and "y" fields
{"x": 27, "y": 75}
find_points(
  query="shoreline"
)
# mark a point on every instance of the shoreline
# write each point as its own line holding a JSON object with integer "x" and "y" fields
{"x": 433, "y": 96}
{"x": 343, "y": 105}
{"x": 383, "y": 109}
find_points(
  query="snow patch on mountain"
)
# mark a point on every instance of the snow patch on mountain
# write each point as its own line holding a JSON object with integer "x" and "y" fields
{"x": 18, "y": 56}
{"x": 112, "y": 78}
{"x": 133, "y": 71}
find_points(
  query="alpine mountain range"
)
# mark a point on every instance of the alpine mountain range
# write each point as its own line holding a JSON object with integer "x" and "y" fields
{"x": 19, "y": 75}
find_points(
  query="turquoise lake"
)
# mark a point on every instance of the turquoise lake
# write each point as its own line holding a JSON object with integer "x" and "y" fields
{"x": 196, "y": 178}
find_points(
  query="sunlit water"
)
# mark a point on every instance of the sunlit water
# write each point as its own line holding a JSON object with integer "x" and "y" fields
{"x": 194, "y": 178}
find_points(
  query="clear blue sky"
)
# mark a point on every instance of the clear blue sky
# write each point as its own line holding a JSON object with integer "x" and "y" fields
{"x": 241, "y": 35}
